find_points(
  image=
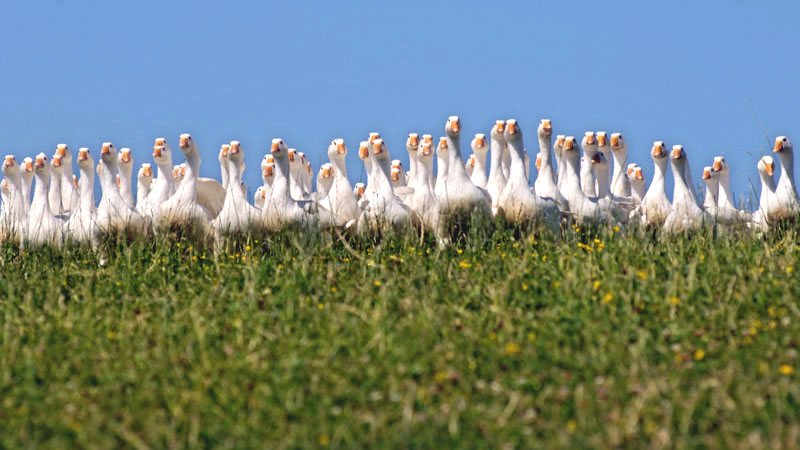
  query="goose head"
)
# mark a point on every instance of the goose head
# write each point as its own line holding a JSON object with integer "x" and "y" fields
{"x": 41, "y": 166}
{"x": 513, "y": 132}
{"x": 599, "y": 161}
{"x": 108, "y": 153}
{"x": 178, "y": 172}
{"x": 235, "y": 152}
{"x": 162, "y": 154}
{"x": 145, "y": 175}
{"x": 57, "y": 164}
{"x": 10, "y": 166}
{"x": 558, "y": 147}
{"x": 412, "y": 143}
{"x": 783, "y": 146}
{"x": 709, "y": 175}
{"x": 337, "y": 150}
{"x": 395, "y": 175}
{"x": 636, "y": 177}
{"x": 187, "y": 145}
{"x": 571, "y": 149}
{"x": 766, "y": 165}
{"x": 268, "y": 173}
{"x": 278, "y": 149}
{"x": 618, "y": 144}
{"x": 453, "y": 126}
{"x": 659, "y": 151}
{"x": 85, "y": 160}
{"x": 326, "y": 171}
{"x": 720, "y": 166}
{"x": 223, "y": 154}
{"x": 66, "y": 155}
{"x": 294, "y": 159}
{"x": 499, "y": 130}
{"x": 442, "y": 149}
{"x": 630, "y": 169}
{"x": 372, "y": 136}
{"x": 359, "y": 189}
{"x": 363, "y": 150}
{"x": 589, "y": 145}
{"x": 379, "y": 150}
{"x": 678, "y": 158}
{"x": 125, "y": 160}
{"x": 545, "y": 129}
{"x": 426, "y": 152}
{"x": 479, "y": 144}
{"x": 27, "y": 168}
{"x": 603, "y": 144}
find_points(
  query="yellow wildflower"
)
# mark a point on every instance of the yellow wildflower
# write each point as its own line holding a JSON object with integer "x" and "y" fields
{"x": 699, "y": 354}
{"x": 607, "y": 298}
{"x": 324, "y": 440}
{"x": 675, "y": 300}
{"x": 786, "y": 369}
{"x": 377, "y": 283}
{"x": 512, "y": 348}
{"x": 642, "y": 274}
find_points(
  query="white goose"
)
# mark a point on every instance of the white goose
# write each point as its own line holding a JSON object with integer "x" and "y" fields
{"x": 359, "y": 189}
{"x": 363, "y": 154}
{"x": 267, "y": 175}
{"x": 561, "y": 172}
{"x": 768, "y": 200}
{"x": 178, "y": 173}
{"x": 727, "y": 212}
{"x": 343, "y": 204}
{"x": 144, "y": 181}
{"x": 442, "y": 167}
{"x": 412, "y": 146}
{"x": 479, "y": 150}
{"x": 280, "y": 209}
{"x": 125, "y": 163}
{"x": 237, "y": 214}
{"x": 54, "y": 192}
{"x": 223, "y": 165}
{"x": 497, "y": 179}
{"x": 384, "y": 208}
{"x": 165, "y": 185}
{"x": 43, "y": 226}
{"x": 620, "y": 186}
{"x": 183, "y": 210}
{"x": 27, "y": 181}
{"x": 711, "y": 180}
{"x": 545, "y": 185}
{"x": 13, "y": 216}
{"x": 70, "y": 198}
{"x": 602, "y": 170}
{"x": 636, "y": 179}
{"x": 685, "y": 215}
{"x": 518, "y": 203}
{"x": 295, "y": 176}
{"x": 459, "y": 199}
{"x": 113, "y": 214}
{"x": 398, "y": 174}
{"x": 788, "y": 203}
{"x": 581, "y": 207}
{"x": 655, "y": 205}
{"x": 588, "y": 184}
{"x": 506, "y": 161}
{"x": 81, "y": 227}
{"x": 423, "y": 201}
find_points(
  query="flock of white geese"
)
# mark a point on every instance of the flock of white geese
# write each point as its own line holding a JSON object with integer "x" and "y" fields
{"x": 589, "y": 180}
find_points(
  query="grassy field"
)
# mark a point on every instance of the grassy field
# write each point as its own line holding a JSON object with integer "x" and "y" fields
{"x": 534, "y": 341}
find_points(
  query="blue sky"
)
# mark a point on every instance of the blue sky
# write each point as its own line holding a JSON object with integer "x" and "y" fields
{"x": 695, "y": 73}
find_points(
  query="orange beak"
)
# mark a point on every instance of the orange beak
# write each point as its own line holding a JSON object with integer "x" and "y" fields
{"x": 126, "y": 157}
{"x": 395, "y": 176}
{"x": 601, "y": 140}
{"x": 637, "y": 175}
{"x": 39, "y": 163}
{"x": 770, "y": 167}
{"x": 426, "y": 149}
{"x": 706, "y": 174}
{"x": 546, "y": 126}
{"x": 56, "y": 162}
{"x": 361, "y": 190}
{"x": 717, "y": 165}
{"x": 160, "y": 141}
{"x": 263, "y": 194}
{"x": 184, "y": 141}
{"x": 455, "y": 126}
{"x": 427, "y": 139}
{"x": 657, "y": 150}
{"x": 157, "y": 151}
{"x": 590, "y": 139}
{"x": 413, "y": 140}
{"x": 377, "y": 148}
{"x": 275, "y": 147}
{"x": 119, "y": 181}
{"x": 83, "y": 155}
{"x": 560, "y": 141}
{"x": 61, "y": 151}
{"x": 234, "y": 147}
{"x": 363, "y": 151}
{"x": 778, "y": 146}
{"x": 676, "y": 153}
{"x": 443, "y": 143}
{"x": 267, "y": 172}
{"x": 224, "y": 149}
{"x": 148, "y": 171}
{"x": 183, "y": 171}
{"x": 105, "y": 149}
{"x": 340, "y": 148}
{"x": 479, "y": 142}
{"x": 500, "y": 126}
{"x": 9, "y": 161}
{"x": 28, "y": 166}
{"x": 326, "y": 173}
{"x": 75, "y": 182}
{"x": 569, "y": 144}
{"x": 614, "y": 141}
{"x": 291, "y": 156}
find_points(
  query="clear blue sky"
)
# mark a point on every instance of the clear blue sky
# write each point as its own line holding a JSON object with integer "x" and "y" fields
{"x": 692, "y": 73}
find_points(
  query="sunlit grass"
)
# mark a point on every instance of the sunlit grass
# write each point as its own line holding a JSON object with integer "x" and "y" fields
{"x": 533, "y": 340}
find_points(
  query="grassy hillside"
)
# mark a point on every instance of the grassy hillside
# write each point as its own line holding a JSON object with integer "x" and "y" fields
{"x": 529, "y": 341}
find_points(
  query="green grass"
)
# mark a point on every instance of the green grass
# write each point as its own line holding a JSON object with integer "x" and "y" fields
{"x": 529, "y": 342}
